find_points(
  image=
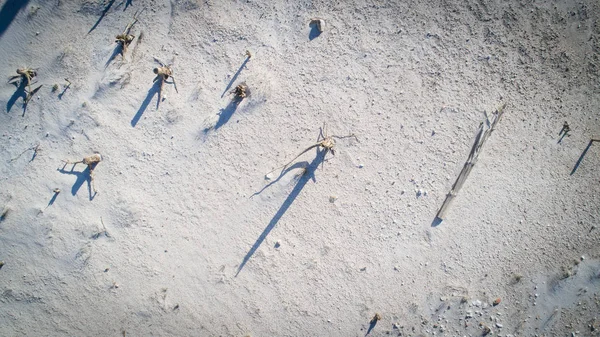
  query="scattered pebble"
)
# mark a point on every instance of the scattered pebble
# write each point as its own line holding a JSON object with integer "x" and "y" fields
{"x": 332, "y": 198}
{"x": 277, "y": 244}
{"x": 1, "y": 264}
{"x": 498, "y": 325}
{"x": 361, "y": 165}
{"x": 497, "y": 301}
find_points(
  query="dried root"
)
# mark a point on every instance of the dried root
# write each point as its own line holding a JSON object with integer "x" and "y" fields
{"x": 163, "y": 73}
{"x": 91, "y": 163}
{"x": 124, "y": 39}
{"x": 36, "y": 149}
{"x": 241, "y": 91}
{"x": 326, "y": 143}
{"x": 27, "y": 75}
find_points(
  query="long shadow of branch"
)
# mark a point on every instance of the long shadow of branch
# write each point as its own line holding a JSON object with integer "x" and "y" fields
{"x": 583, "y": 155}
{"x": 302, "y": 164}
{"x": 308, "y": 175}
{"x": 235, "y": 76}
{"x": 81, "y": 178}
{"x": 118, "y": 50}
{"x": 106, "y": 9}
{"x": 155, "y": 89}
{"x": 127, "y": 4}
{"x": 225, "y": 114}
{"x": 9, "y": 11}
{"x": 19, "y": 92}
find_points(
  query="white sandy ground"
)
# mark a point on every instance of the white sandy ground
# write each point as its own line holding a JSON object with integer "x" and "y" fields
{"x": 157, "y": 250}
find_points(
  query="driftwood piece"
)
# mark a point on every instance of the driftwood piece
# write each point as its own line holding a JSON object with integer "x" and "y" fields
{"x": 483, "y": 133}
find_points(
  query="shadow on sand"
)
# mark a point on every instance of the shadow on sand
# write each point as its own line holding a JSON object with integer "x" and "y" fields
{"x": 372, "y": 325}
{"x": 19, "y": 92}
{"x": 106, "y": 9}
{"x": 127, "y": 4}
{"x": 583, "y": 155}
{"x": 9, "y": 11}
{"x": 82, "y": 177}
{"x": 51, "y": 202}
{"x": 118, "y": 50}
{"x": 436, "y": 222}
{"x": 155, "y": 89}
{"x": 308, "y": 175}
{"x": 314, "y": 31}
{"x": 235, "y": 76}
{"x": 301, "y": 164}
{"x": 225, "y": 114}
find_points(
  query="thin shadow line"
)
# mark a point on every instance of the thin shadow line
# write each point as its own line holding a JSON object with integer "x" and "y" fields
{"x": 436, "y": 222}
{"x": 60, "y": 96}
{"x": 51, "y": 202}
{"x": 153, "y": 91}
{"x": 8, "y": 13}
{"x": 583, "y": 155}
{"x": 127, "y": 4}
{"x": 308, "y": 175}
{"x": 302, "y": 164}
{"x": 81, "y": 178}
{"x": 106, "y": 9}
{"x": 564, "y": 134}
{"x": 235, "y": 76}
{"x": 371, "y": 326}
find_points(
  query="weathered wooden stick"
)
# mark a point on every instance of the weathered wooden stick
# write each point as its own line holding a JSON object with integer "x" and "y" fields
{"x": 483, "y": 134}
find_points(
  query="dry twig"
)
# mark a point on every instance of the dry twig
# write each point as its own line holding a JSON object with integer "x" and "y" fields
{"x": 483, "y": 133}
{"x": 36, "y": 149}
